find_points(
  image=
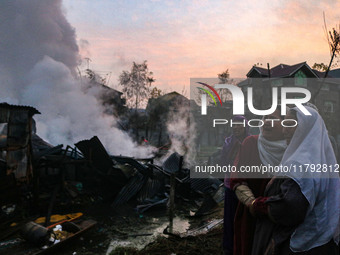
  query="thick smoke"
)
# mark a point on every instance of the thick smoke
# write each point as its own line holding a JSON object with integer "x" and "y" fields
{"x": 38, "y": 60}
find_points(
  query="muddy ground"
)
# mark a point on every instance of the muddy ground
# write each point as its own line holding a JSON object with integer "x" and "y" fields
{"x": 124, "y": 231}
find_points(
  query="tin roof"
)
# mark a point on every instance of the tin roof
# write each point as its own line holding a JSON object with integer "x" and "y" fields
{"x": 31, "y": 109}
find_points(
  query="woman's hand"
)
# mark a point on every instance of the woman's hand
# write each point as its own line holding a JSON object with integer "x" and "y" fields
{"x": 258, "y": 207}
{"x": 244, "y": 194}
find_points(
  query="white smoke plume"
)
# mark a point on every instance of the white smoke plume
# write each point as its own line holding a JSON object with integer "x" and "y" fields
{"x": 38, "y": 60}
{"x": 182, "y": 133}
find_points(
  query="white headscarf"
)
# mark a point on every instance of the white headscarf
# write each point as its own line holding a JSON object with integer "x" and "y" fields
{"x": 310, "y": 145}
{"x": 271, "y": 152}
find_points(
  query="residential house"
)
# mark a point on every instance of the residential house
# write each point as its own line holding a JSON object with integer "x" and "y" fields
{"x": 299, "y": 75}
{"x": 160, "y": 111}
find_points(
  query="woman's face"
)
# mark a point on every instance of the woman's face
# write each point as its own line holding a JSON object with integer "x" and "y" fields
{"x": 288, "y": 132}
{"x": 239, "y": 131}
{"x": 272, "y": 130}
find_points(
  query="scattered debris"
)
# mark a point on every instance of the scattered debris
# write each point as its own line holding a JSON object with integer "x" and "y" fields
{"x": 204, "y": 229}
{"x": 42, "y": 179}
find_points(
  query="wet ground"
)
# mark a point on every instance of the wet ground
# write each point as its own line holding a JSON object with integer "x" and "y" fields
{"x": 124, "y": 231}
{"x": 128, "y": 232}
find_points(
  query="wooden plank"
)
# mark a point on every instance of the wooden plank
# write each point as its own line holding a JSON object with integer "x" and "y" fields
{"x": 84, "y": 226}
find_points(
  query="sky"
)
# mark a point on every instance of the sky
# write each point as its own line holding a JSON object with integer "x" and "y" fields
{"x": 199, "y": 38}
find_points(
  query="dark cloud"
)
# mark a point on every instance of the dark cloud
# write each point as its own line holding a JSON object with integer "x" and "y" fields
{"x": 30, "y": 30}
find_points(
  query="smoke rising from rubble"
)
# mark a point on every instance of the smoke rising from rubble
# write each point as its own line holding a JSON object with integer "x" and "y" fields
{"x": 38, "y": 60}
{"x": 182, "y": 133}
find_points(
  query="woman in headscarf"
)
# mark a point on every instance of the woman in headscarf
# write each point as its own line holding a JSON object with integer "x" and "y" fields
{"x": 299, "y": 212}
{"x": 265, "y": 149}
{"x": 230, "y": 149}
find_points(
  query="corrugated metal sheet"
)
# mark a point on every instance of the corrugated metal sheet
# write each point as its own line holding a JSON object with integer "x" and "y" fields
{"x": 17, "y": 163}
{"x": 131, "y": 161}
{"x": 15, "y": 137}
{"x": 152, "y": 187}
{"x": 130, "y": 189}
{"x": 94, "y": 151}
{"x": 30, "y": 109}
{"x": 18, "y": 128}
{"x": 204, "y": 186}
{"x": 143, "y": 208}
{"x": 173, "y": 163}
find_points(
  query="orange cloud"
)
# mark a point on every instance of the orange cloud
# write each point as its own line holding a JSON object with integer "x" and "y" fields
{"x": 202, "y": 40}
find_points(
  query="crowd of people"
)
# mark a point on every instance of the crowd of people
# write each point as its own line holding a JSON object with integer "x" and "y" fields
{"x": 295, "y": 212}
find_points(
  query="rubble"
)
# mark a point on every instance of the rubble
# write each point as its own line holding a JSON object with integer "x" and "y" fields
{"x": 45, "y": 179}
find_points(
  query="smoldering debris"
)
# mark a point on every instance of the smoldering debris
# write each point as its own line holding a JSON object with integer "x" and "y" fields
{"x": 72, "y": 178}
{"x": 39, "y": 57}
{"x": 40, "y": 176}
{"x": 148, "y": 183}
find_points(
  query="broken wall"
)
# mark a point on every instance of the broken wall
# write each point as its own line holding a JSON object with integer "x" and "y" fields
{"x": 15, "y": 139}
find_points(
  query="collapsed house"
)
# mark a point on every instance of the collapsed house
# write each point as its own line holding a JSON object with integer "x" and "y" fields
{"x": 15, "y": 140}
{"x": 87, "y": 169}
{"x": 15, "y": 149}
{"x": 38, "y": 178}
{"x": 148, "y": 183}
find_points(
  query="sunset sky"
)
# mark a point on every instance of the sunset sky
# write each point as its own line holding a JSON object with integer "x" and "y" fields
{"x": 198, "y": 38}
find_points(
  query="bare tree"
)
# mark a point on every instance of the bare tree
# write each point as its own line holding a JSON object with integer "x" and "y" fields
{"x": 95, "y": 77}
{"x": 321, "y": 67}
{"x": 224, "y": 94}
{"x": 224, "y": 78}
{"x": 136, "y": 83}
{"x": 333, "y": 38}
{"x": 155, "y": 92}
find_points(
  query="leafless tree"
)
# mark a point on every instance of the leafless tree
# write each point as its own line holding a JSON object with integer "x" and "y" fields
{"x": 136, "y": 83}
{"x": 333, "y": 38}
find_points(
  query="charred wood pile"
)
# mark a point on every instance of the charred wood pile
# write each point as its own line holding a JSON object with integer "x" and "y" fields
{"x": 38, "y": 179}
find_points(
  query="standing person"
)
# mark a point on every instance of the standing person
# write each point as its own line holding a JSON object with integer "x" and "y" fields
{"x": 230, "y": 149}
{"x": 299, "y": 214}
{"x": 144, "y": 141}
{"x": 331, "y": 138}
{"x": 264, "y": 149}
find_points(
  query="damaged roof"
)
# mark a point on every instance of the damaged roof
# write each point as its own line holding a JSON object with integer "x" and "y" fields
{"x": 30, "y": 109}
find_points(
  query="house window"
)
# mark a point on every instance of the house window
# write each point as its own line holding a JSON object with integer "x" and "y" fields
{"x": 328, "y": 106}
{"x": 300, "y": 79}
